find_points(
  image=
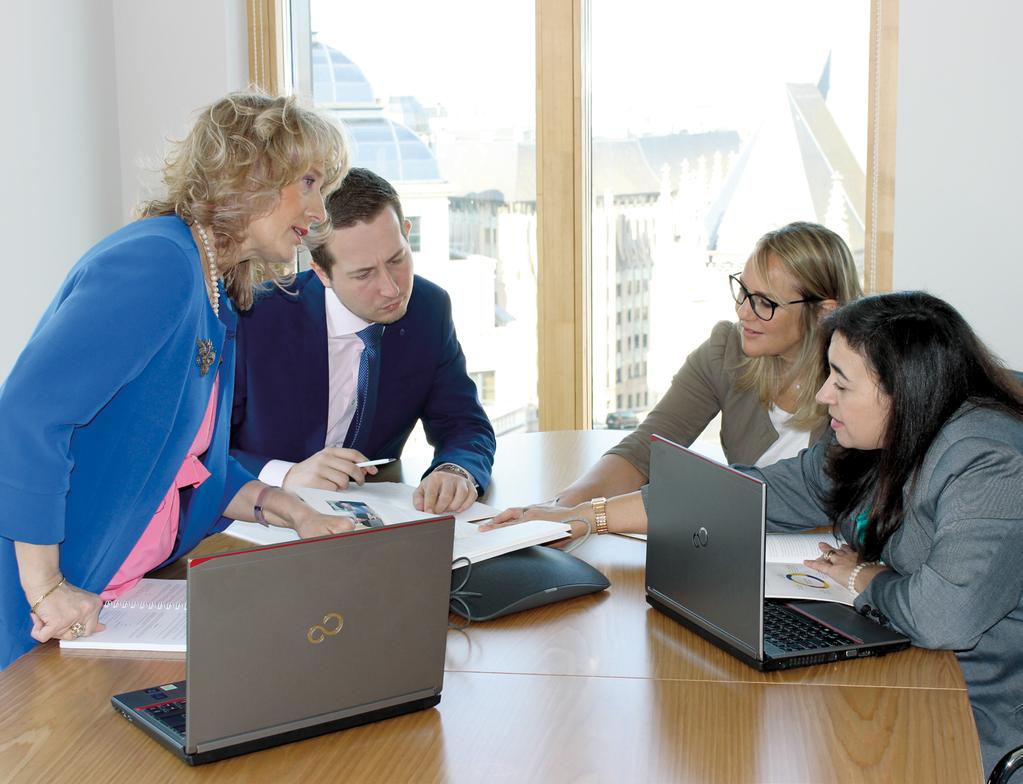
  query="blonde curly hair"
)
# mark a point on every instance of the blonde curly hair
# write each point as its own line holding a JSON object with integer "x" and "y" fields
{"x": 232, "y": 165}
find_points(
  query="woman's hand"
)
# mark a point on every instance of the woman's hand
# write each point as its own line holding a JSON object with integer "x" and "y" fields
{"x": 839, "y": 563}
{"x": 285, "y": 509}
{"x": 308, "y": 523}
{"x": 59, "y": 610}
{"x": 67, "y": 613}
{"x": 580, "y": 517}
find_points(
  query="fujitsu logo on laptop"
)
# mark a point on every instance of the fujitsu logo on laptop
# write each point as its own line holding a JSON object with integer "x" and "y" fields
{"x": 332, "y": 623}
{"x": 700, "y": 537}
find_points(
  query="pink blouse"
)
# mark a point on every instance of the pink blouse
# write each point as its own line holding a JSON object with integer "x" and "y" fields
{"x": 157, "y": 541}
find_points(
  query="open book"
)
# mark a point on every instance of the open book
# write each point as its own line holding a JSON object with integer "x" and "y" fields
{"x": 786, "y": 577}
{"x": 392, "y": 503}
{"x": 149, "y": 617}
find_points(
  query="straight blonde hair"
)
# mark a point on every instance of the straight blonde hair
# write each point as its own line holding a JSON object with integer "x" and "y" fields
{"x": 822, "y": 266}
{"x": 230, "y": 168}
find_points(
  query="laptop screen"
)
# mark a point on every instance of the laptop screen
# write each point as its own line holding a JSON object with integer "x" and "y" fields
{"x": 283, "y": 637}
{"x": 705, "y": 544}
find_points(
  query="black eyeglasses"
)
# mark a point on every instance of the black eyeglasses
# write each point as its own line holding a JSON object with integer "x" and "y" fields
{"x": 763, "y": 308}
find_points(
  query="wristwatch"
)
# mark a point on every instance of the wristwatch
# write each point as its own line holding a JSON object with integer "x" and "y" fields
{"x": 452, "y": 468}
{"x": 599, "y": 506}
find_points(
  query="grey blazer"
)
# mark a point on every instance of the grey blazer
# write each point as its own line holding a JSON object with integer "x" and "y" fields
{"x": 955, "y": 582}
{"x": 703, "y": 386}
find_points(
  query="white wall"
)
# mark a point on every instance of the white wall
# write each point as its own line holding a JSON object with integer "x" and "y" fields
{"x": 59, "y": 152}
{"x": 93, "y": 88}
{"x": 172, "y": 58}
{"x": 959, "y": 164}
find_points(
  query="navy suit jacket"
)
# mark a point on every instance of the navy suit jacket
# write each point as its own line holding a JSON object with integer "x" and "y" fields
{"x": 280, "y": 395}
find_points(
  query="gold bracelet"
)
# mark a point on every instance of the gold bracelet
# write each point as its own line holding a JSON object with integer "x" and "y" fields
{"x": 599, "y": 507}
{"x": 39, "y": 601}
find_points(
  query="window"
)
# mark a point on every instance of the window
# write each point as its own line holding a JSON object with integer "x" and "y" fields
{"x": 414, "y": 238}
{"x": 568, "y": 354}
{"x": 484, "y": 382}
{"x": 698, "y": 148}
{"x": 417, "y": 98}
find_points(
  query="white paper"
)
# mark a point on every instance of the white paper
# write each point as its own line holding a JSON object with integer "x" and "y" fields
{"x": 780, "y": 548}
{"x": 795, "y": 581}
{"x": 149, "y": 617}
{"x": 151, "y": 594}
{"x": 393, "y": 502}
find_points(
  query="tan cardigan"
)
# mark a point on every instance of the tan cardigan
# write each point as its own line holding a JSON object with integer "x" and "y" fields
{"x": 704, "y": 386}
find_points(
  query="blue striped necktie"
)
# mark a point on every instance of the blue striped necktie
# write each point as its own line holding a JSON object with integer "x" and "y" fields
{"x": 369, "y": 368}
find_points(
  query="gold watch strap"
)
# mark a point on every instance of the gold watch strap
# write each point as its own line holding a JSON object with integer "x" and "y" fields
{"x": 599, "y": 506}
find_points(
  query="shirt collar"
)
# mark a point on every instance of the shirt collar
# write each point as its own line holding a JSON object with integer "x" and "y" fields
{"x": 341, "y": 322}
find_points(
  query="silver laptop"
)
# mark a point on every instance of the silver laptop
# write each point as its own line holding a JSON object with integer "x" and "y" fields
{"x": 705, "y": 569}
{"x": 298, "y": 639}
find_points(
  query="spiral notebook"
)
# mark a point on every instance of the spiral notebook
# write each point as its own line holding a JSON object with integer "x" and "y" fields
{"x": 149, "y": 617}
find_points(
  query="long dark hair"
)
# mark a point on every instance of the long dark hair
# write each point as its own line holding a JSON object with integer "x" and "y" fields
{"x": 929, "y": 362}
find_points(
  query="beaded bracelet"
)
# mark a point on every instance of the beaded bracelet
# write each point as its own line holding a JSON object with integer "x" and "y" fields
{"x": 39, "y": 601}
{"x": 851, "y": 584}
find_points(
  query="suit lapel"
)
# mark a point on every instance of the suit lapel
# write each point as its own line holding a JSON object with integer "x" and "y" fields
{"x": 312, "y": 347}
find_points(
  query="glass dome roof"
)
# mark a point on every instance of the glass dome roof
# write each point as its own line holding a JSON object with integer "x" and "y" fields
{"x": 390, "y": 149}
{"x": 336, "y": 79}
{"x": 380, "y": 144}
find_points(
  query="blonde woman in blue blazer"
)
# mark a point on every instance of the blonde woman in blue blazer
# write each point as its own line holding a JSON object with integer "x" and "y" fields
{"x": 114, "y": 420}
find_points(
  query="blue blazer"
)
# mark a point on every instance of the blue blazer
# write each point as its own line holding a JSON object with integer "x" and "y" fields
{"x": 101, "y": 407}
{"x": 280, "y": 396}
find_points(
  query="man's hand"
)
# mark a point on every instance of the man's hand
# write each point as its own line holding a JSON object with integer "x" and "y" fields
{"x": 444, "y": 491}
{"x": 329, "y": 469}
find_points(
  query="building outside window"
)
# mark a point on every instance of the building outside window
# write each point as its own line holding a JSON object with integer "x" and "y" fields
{"x": 414, "y": 233}
{"x": 711, "y": 124}
{"x": 422, "y": 112}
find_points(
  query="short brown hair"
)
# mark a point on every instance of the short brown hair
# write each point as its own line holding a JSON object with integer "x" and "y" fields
{"x": 362, "y": 196}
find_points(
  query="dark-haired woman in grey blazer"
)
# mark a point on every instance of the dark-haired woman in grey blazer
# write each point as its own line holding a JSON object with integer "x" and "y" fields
{"x": 923, "y": 477}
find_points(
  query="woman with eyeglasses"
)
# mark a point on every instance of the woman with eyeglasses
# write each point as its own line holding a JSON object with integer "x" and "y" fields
{"x": 924, "y": 480}
{"x": 760, "y": 373}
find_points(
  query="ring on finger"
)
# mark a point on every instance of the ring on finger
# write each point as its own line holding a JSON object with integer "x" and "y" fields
{"x": 828, "y": 556}
{"x": 77, "y": 629}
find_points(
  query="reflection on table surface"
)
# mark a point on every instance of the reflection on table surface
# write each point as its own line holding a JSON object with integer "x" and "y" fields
{"x": 599, "y": 688}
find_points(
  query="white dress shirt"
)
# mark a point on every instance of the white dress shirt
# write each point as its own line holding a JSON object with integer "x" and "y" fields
{"x": 344, "y": 350}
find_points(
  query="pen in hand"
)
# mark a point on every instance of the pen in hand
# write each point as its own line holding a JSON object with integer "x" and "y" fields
{"x": 381, "y": 461}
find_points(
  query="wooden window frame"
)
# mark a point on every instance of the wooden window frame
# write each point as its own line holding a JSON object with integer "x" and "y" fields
{"x": 563, "y": 188}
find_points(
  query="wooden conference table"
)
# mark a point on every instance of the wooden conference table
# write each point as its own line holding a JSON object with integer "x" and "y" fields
{"x": 597, "y": 689}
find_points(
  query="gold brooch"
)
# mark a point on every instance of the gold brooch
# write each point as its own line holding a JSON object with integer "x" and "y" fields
{"x": 206, "y": 355}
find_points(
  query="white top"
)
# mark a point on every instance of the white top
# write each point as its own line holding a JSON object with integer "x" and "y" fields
{"x": 344, "y": 350}
{"x": 790, "y": 441}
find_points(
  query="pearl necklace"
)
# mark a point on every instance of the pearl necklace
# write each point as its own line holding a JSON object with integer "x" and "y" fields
{"x": 214, "y": 272}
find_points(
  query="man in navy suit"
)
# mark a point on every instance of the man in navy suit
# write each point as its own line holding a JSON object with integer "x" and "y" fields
{"x": 337, "y": 369}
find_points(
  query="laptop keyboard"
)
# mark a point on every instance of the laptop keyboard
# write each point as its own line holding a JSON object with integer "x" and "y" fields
{"x": 169, "y": 714}
{"x": 790, "y": 631}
